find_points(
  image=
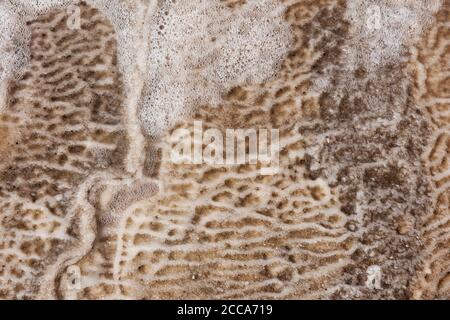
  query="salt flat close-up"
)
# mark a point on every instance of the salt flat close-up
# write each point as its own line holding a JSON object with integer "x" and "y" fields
{"x": 224, "y": 149}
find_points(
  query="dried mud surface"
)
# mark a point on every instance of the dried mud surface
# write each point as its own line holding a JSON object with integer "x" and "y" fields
{"x": 92, "y": 207}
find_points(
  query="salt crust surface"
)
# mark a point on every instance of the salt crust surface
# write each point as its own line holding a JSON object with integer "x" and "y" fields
{"x": 201, "y": 48}
{"x": 382, "y": 30}
{"x": 195, "y": 50}
{"x": 385, "y": 27}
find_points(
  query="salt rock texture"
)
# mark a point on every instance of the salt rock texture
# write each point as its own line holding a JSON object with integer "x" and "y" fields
{"x": 199, "y": 49}
{"x": 93, "y": 207}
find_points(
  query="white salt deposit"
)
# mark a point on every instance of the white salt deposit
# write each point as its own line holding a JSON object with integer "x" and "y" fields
{"x": 13, "y": 48}
{"x": 382, "y": 29}
{"x": 199, "y": 49}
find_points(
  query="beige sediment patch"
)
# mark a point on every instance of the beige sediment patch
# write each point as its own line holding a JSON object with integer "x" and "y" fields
{"x": 9, "y": 136}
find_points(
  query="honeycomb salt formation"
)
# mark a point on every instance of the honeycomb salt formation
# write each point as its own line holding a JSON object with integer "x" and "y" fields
{"x": 94, "y": 207}
{"x": 431, "y": 64}
{"x": 349, "y": 195}
{"x": 64, "y": 124}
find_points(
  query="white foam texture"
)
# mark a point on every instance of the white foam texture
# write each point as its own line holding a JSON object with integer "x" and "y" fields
{"x": 386, "y": 27}
{"x": 13, "y": 48}
{"x": 201, "y": 48}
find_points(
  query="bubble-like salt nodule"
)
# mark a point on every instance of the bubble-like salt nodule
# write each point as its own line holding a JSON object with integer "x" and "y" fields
{"x": 199, "y": 49}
